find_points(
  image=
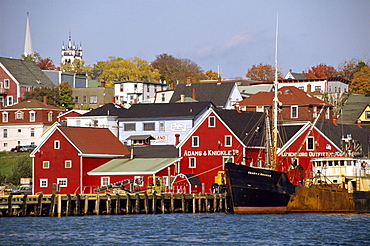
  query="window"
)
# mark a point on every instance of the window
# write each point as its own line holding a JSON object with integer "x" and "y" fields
{"x": 104, "y": 181}
{"x": 259, "y": 108}
{"x": 56, "y": 144}
{"x": 19, "y": 130}
{"x": 19, "y": 115}
{"x": 228, "y": 141}
{"x": 78, "y": 122}
{"x": 163, "y": 97}
{"x": 10, "y": 100}
{"x": 50, "y": 116}
{"x": 45, "y": 164}
{"x": 62, "y": 182}
{"x": 5, "y": 116}
{"x": 211, "y": 121}
{"x": 76, "y": 99}
{"x": 147, "y": 88}
{"x": 95, "y": 123}
{"x": 192, "y": 162}
{"x": 367, "y": 115}
{"x": 43, "y": 182}
{"x": 5, "y": 133}
{"x": 32, "y": 133}
{"x": 121, "y": 87}
{"x": 295, "y": 162}
{"x": 195, "y": 141}
{"x": 149, "y": 126}
{"x": 161, "y": 126}
{"x": 84, "y": 99}
{"x": 139, "y": 180}
{"x": 6, "y": 84}
{"x": 301, "y": 88}
{"x": 310, "y": 143}
{"x": 327, "y": 113}
{"x": 129, "y": 127}
{"x": 5, "y": 144}
{"x": 93, "y": 99}
{"x": 32, "y": 116}
{"x": 293, "y": 111}
{"x": 68, "y": 164}
{"x": 318, "y": 88}
{"x": 227, "y": 159}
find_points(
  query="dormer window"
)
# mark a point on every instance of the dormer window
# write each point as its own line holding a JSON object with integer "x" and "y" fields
{"x": 32, "y": 116}
{"x": 19, "y": 115}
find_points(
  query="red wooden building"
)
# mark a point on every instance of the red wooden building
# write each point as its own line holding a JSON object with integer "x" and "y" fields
{"x": 66, "y": 155}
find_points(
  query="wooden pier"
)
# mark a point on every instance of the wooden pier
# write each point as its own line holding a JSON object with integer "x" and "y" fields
{"x": 97, "y": 204}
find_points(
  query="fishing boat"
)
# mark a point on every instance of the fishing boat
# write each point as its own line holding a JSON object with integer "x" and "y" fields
{"x": 338, "y": 184}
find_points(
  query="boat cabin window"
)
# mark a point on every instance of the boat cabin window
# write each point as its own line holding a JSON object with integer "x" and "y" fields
{"x": 355, "y": 163}
{"x": 330, "y": 163}
{"x": 324, "y": 163}
{"x": 342, "y": 163}
{"x": 336, "y": 163}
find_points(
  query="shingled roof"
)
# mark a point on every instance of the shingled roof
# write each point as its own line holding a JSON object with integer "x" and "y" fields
{"x": 160, "y": 110}
{"x": 33, "y": 104}
{"x": 353, "y": 107}
{"x": 98, "y": 141}
{"x": 217, "y": 93}
{"x": 26, "y": 72}
{"x": 109, "y": 109}
{"x": 288, "y": 95}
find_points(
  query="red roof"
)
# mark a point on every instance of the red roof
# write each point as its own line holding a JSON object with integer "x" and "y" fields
{"x": 94, "y": 140}
{"x": 287, "y": 95}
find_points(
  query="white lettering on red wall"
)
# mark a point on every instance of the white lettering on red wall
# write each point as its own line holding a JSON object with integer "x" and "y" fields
{"x": 211, "y": 152}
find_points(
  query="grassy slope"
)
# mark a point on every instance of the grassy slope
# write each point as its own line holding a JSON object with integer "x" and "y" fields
{"x": 8, "y": 160}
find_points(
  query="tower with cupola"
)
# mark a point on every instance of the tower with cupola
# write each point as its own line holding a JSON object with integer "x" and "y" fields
{"x": 71, "y": 51}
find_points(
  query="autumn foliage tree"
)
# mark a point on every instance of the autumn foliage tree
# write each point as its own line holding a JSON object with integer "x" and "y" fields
{"x": 361, "y": 81}
{"x": 321, "y": 71}
{"x": 211, "y": 75}
{"x": 46, "y": 64}
{"x": 262, "y": 72}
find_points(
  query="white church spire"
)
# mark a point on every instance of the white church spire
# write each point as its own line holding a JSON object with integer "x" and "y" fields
{"x": 28, "y": 40}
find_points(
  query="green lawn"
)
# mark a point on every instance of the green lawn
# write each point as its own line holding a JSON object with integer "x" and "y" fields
{"x": 8, "y": 160}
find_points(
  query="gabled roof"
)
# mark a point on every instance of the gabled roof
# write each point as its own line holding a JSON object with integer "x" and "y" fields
{"x": 78, "y": 111}
{"x": 26, "y": 72}
{"x": 288, "y": 95}
{"x": 217, "y": 93}
{"x": 137, "y": 166}
{"x": 109, "y": 109}
{"x": 353, "y": 108}
{"x": 141, "y": 82}
{"x": 96, "y": 141}
{"x": 33, "y": 104}
{"x": 155, "y": 151}
{"x": 247, "y": 126}
{"x": 160, "y": 110}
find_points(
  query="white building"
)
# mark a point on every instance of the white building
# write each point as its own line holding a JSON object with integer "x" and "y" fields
{"x": 321, "y": 86}
{"x": 130, "y": 92}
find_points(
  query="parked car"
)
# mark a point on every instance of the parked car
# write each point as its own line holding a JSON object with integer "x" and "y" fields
{"x": 26, "y": 148}
{"x": 22, "y": 190}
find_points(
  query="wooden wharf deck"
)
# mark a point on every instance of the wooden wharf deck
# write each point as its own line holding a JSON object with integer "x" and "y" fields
{"x": 59, "y": 205}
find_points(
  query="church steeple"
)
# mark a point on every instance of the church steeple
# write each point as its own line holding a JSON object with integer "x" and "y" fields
{"x": 28, "y": 40}
{"x": 71, "y": 52}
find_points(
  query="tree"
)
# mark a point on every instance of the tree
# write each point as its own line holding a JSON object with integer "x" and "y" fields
{"x": 119, "y": 69}
{"x": 321, "y": 71}
{"x": 46, "y": 64}
{"x": 211, "y": 75}
{"x": 21, "y": 169}
{"x": 31, "y": 57}
{"x": 361, "y": 81}
{"x": 262, "y": 72}
{"x": 39, "y": 93}
{"x": 174, "y": 70}
{"x": 65, "y": 99}
{"x": 77, "y": 66}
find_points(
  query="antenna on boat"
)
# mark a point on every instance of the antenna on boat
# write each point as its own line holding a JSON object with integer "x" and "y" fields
{"x": 275, "y": 102}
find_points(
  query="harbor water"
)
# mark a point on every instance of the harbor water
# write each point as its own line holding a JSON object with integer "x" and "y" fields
{"x": 189, "y": 229}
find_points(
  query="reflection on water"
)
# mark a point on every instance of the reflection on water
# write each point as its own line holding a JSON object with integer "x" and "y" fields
{"x": 189, "y": 229}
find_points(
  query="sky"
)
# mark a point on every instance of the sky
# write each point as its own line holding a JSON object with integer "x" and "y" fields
{"x": 225, "y": 36}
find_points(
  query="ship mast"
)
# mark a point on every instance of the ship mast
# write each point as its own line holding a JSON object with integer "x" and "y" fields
{"x": 275, "y": 105}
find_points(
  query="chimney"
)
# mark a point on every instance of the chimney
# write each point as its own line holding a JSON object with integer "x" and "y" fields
{"x": 188, "y": 81}
{"x": 177, "y": 139}
{"x": 45, "y": 100}
{"x": 137, "y": 78}
{"x": 359, "y": 123}
{"x": 309, "y": 89}
{"x": 334, "y": 119}
{"x": 194, "y": 93}
{"x": 290, "y": 70}
{"x": 132, "y": 150}
{"x": 182, "y": 98}
{"x": 237, "y": 108}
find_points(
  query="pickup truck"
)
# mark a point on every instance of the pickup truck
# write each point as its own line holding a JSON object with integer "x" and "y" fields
{"x": 25, "y": 148}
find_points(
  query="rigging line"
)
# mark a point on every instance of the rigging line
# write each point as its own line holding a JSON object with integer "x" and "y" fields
{"x": 197, "y": 175}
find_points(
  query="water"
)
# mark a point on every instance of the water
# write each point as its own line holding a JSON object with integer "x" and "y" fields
{"x": 189, "y": 229}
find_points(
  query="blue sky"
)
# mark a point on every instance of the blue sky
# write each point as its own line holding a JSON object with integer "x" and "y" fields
{"x": 233, "y": 35}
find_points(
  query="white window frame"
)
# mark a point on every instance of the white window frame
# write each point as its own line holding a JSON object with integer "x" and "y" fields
{"x": 367, "y": 115}
{"x": 56, "y": 144}
{"x": 230, "y": 142}
{"x": 78, "y": 122}
{"x": 19, "y": 115}
{"x": 313, "y": 143}
{"x": 6, "y": 84}
{"x": 66, "y": 164}
{"x": 32, "y": 132}
{"x": 192, "y": 162}
{"x": 50, "y": 116}
{"x": 148, "y": 124}
{"x": 195, "y": 141}
{"x": 104, "y": 181}
{"x": 5, "y": 116}
{"x": 5, "y": 133}
{"x": 9, "y": 100}
{"x": 62, "y": 182}
{"x": 32, "y": 116}
{"x": 260, "y": 108}
{"x": 292, "y": 115}
{"x": 93, "y": 99}
{"x": 128, "y": 126}
{"x": 225, "y": 159}
{"x": 211, "y": 121}
{"x": 43, "y": 185}
{"x": 139, "y": 180}
{"x": 327, "y": 113}
{"x": 162, "y": 126}
{"x": 46, "y": 164}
